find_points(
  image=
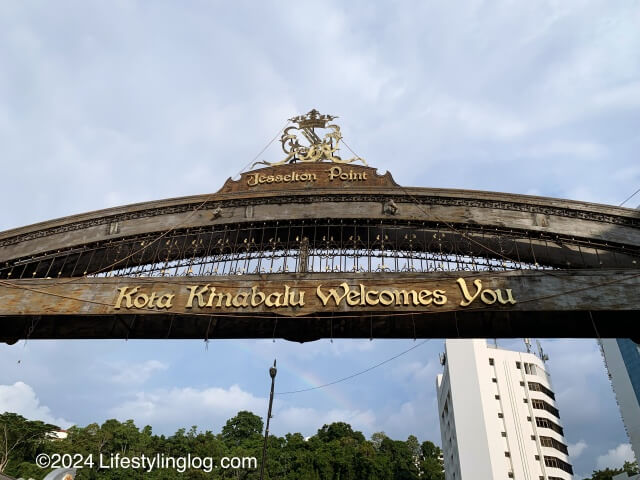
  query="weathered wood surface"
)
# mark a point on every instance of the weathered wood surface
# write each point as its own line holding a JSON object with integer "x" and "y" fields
{"x": 558, "y": 304}
{"x": 308, "y": 177}
{"x": 362, "y": 199}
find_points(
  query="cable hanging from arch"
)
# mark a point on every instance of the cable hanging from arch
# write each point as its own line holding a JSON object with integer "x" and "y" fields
{"x": 361, "y": 372}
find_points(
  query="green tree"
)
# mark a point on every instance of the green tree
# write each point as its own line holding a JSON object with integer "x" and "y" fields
{"x": 339, "y": 430}
{"x": 631, "y": 468}
{"x": 336, "y": 452}
{"x": 376, "y": 439}
{"x": 431, "y": 466}
{"x": 20, "y": 438}
{"x": 244, "y": 426}
{"x": 402, "y": 462}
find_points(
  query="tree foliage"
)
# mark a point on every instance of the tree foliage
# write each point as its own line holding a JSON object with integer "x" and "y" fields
{"x": 335, "y": 452}
{"x": 631, "y": 468}
{"x": 20, "y": 438}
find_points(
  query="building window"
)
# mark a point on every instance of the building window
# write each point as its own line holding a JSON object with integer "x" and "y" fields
{"x": 542, "y": 405}
{"x": 557, "y": 463}
{"x": 553, "y": 443}
{"x": 500, "y": 415}
{"x": 504, "y": 434}
{"x": 537, "y": 387}
{"x": 507, "y": 454}
{"x": 497, "y": 397}
{"x": 494, "y": 380}
{"x": 525, "y": 400}
{"x": 537, "y": 457}
{"x": 518, "y": 365}
{"x": 533, "y": 437}
{"x": 528, "y": 419}
{"x": 510, "y": 474}
{"x": 491, "y": 361}
{"x": 546, "y": 423}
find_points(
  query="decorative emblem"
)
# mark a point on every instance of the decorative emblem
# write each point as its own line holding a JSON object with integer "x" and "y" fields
{"x": 319, "y": 149}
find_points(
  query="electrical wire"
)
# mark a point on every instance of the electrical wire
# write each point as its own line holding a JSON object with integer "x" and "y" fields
{"x": 420, "y": 207}
{"x": 451, "y": 227}
{"x": 630, "y": 197}
{"x": 166, "y": 232}
{"x": 344, "y": 379}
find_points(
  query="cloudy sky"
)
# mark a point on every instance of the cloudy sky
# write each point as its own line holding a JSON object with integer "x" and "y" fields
{"x": 109, "y": 103}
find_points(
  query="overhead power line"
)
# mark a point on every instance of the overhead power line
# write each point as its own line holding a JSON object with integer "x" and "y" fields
{"x": 355, "y": 374}
{"x": 629, "y": 198}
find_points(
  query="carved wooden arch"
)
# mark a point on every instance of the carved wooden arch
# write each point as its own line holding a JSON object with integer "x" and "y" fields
{"x": 571, "y": 267}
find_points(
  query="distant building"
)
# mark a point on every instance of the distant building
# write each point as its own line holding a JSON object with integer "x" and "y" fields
{"x": 58, "y": 434}
{"x": 498, "y": 415}
{"x": 622, "y": 357}
{"x": 625, "y": 476}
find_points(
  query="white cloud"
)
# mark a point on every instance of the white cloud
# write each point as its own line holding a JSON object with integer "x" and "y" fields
{"x": 188, "y": 406}
{"x": 211, "y": 407}
{"x": 616, "y": 457}
{"x": 138, "y": 373}
{"x": 478, "y": 118}
{"x": 576, "y": 449}
{"x": 434, "y": 93}
{"x": 20, "y": 398}
{"x": 418, "y": 372}
{"x": 561, "y": 148}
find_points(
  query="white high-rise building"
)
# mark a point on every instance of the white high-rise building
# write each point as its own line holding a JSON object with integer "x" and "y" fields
{"x": 498, "y": 415}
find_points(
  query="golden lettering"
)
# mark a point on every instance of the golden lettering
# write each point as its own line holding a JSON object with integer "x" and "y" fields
{"x": 141, "y": 300}
{"x": 252, "y": 179}
{"x": 332, "y": 294}
{"x": 353, "y": 297}
{"x": 468, "y": 298}
{"x": 405, "y": 297}
{"x": 292, "y": 299}
{"x": 240, "y": 300}
{"x": 360, "y": 295}
{"x": 488, "y": 296}
{"x": 226, "y": 296}
{"x": 368, "y": 300}
{"x": 423, "y": 297}
{"x": 195, "y": 293}
{"x": 509, "y": 298}
{"x": 125, "y": 296}
{"x": 439, "y": 297}
{"x": 386, "y": 297}
{"x": 256, "y": 294}
{"x": 165, "y": 300}
{"x": 334, "y": 172}
{"x": 273, "y": 303}
{"x": 152, "y": 298}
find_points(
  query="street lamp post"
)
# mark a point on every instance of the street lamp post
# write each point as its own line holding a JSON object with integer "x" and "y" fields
{"x": 272, "y": 373}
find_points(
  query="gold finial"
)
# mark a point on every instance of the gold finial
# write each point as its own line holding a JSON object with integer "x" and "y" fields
{"x": 319, "y": 149}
